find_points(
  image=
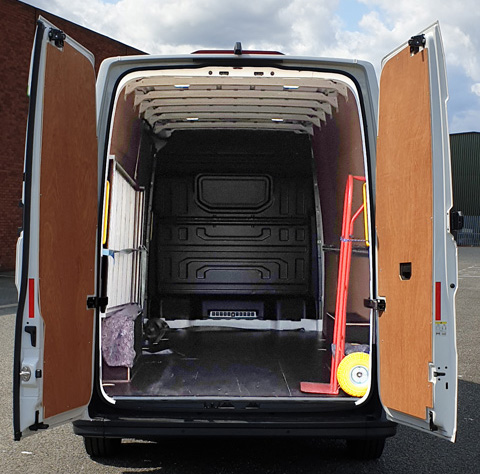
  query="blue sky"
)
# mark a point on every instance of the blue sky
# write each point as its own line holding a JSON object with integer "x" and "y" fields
{"x": 350, "y": 12}
{"x": 361, "y": 29}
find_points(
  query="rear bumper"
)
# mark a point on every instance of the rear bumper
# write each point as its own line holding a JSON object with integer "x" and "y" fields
{"x": 342, "y": 428}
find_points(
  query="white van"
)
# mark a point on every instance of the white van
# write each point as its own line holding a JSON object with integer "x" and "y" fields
{"x": 207, "y": 236}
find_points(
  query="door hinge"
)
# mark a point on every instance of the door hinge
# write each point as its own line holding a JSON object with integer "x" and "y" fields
{"x": 94, "y": 302}
{"x": 417, "y": 43}
{"x": 57, "y": 36}
{"x": 37, "y": 425}
{"x": 378, "y": 304}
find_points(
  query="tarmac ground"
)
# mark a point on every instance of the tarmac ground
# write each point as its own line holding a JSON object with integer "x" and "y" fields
{"x": 410, "y": 451}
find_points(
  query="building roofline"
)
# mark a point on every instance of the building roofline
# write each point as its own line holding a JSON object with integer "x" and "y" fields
{"x": 465, "y": 133}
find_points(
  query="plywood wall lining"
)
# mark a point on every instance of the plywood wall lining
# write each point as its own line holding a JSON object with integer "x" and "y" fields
{"x": 338, "y": 152}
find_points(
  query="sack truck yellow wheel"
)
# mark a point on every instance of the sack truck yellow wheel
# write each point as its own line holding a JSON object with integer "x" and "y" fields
{"x": 354, "y": 374}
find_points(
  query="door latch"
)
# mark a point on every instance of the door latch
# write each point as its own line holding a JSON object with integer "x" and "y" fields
{"x": 456, "y": 222}
{"x": 25, "y": 373}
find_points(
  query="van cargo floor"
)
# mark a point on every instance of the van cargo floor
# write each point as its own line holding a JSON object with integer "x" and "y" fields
{"x": 229, "y": 362}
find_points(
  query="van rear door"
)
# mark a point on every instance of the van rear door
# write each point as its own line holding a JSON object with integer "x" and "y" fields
{"x": 417, "y": 259}
{"x": 54, "y": 328}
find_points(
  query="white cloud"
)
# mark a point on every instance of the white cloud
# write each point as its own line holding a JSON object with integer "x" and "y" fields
{"x": 476, "y": 88}
{"x": 294, "y": 26}
{"x": 301, "y": 27}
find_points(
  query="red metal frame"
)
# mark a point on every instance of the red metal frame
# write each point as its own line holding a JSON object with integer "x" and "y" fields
{"x": 343, "y": 280}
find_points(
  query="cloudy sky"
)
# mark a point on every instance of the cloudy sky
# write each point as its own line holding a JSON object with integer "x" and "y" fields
{"x": 362, "y": 29}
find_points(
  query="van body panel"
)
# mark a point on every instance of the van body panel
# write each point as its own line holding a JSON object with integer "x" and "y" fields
{"x": 416, "y": 334}
{"x": 54, "y": 341}
{"x": 191, "y": 236}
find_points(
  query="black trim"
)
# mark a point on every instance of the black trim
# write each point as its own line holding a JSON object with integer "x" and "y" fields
{"x": 340, "y": 428}
{"x": 417, "y": 42}
{"x": 377, "y": 304}
{"x": 32, "y": 330}
{"x": 37, "y": 425}
{"x": 26, "y": 226}
{"x": 94, "y": 302}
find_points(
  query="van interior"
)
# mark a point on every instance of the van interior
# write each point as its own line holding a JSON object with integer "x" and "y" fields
{"x": 224, "y": 203}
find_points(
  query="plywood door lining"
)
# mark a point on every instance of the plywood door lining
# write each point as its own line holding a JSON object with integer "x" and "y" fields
{"x": 404, "y": 231}
{"x": 68, "y": 219}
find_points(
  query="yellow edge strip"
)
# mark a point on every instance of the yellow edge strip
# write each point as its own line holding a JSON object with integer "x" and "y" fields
{"x": 365, "y": 216}
{"x": 105, "y": 217}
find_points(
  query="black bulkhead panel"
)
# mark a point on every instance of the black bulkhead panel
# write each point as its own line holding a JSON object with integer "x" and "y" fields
{"x": 233, "y": 222}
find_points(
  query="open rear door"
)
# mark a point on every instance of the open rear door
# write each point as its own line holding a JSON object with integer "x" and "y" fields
{"x": 54, "y": 328}
{"x": 417, "y": 260}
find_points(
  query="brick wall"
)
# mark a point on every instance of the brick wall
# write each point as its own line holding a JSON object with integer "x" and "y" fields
{"x": 16, "y": 40}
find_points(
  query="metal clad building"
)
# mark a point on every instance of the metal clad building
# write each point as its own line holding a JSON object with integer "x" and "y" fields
{"x": 465, "y": 153}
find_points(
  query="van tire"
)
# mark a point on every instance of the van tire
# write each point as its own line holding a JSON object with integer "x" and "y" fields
{"x": 366, "y": 449}
{"x": 101, "y": 447}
